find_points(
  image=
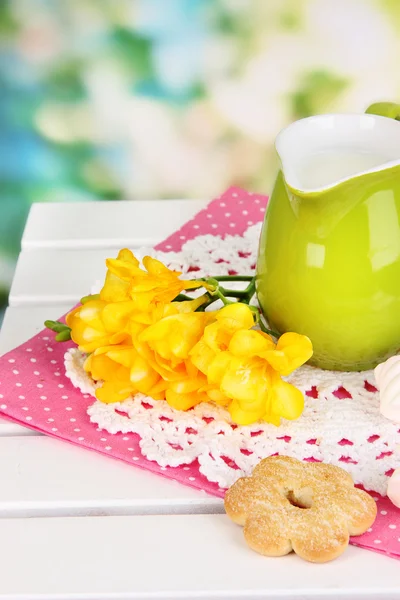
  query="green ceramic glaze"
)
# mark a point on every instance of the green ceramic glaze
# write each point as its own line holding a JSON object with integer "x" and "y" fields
{"x": 329, "y": 268}
{"x": 385, "y": 109}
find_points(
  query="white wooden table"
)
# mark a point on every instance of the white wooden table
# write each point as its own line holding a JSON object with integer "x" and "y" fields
{"x": 78, "y": 525}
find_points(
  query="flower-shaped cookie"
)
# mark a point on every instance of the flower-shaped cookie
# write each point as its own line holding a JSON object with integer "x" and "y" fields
{"x": 310, "y": 508}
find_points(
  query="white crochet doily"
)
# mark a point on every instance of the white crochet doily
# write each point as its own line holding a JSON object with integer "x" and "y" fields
{"x": 349, "y": 432}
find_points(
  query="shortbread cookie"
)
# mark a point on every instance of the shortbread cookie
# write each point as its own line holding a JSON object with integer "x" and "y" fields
{"x": 308, "y": 507}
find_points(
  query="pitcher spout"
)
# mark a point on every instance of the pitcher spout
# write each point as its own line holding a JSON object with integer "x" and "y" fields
{"x": 318, "y": 153}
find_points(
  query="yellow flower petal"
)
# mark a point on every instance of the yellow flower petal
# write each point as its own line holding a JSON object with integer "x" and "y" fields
{"x": 187, "y": 386}
{"x": 217, "y": 337}
{"x": 202, "y": 355}
{"x": 272, "y": 418}
{"x": 235, "y": 316}
{"x": 91, "y": 313}
{"x": 100, "y": 368}
{"x": 292, "y": 351}
{"x": 113, "y": 391}
{"x": 175, "y": 336}
{"x": 143, "y": 376}
{"x": 218, "y": 367}
{"x": 142, "y": 300}
{"x": 191, "y": 284}
{"x": 298, "y": 348}
{"x": 115, "y": 315}
{"x": 191, "y": 369}
{"x": 184, "y": 401}
{"x": 122, "y": 355}
{"x": 115, "y": 288}
{"x": 71, "y": 315}
{"x": 285, "y": 399}
{"x": 157, "y": 268}
{"x": 157, "y": 392}
{"x": 250, "y": 343}
{"x": 191, "y": 305}
{"x": 216, "y": 396}
{"x": 244, "y": 417}
{"x": 241, "y": 381}
{"x": 123, "y": 269}
{"x": 87, "y": 330}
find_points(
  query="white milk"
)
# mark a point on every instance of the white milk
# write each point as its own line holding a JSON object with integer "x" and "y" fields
{"x": 326, "y": 168}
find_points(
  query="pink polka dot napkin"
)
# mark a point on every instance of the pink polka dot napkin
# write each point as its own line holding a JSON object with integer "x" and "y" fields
{"x": 35, "y": 392}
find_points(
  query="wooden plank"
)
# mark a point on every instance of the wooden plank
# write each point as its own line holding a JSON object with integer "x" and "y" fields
{"x": 52, "y": 267}
{"x": 170, "y": 557}
{"x": 8, "y": 428}
{"x": 106, "y": 224}
{"x": 47, "y": 477}
{"x": 58, "y": 276}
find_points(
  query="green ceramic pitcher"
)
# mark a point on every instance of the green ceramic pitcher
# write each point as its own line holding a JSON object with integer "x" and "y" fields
{"x": 329, "y": 255}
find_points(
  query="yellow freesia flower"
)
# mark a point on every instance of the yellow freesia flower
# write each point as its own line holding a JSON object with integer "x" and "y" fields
{"x": 258, "y": 392}
{"x": 217, "y": 335}
{"x": 128, "y": 291}
{"x": 245, "y": 366}
{"x": 156, "y": 363}
{"x": 116, "y": 285}
{"x": 139, "y": 340}
{"x": 166, "y": 344}
{"x": 97, "y": 323}
{"x": 173, "y": 337}
{"x": 125, "y": 280}
{"x": 123, "y": 373}
{"x": 159, "y": 284}
{"x": 289, "y": 353}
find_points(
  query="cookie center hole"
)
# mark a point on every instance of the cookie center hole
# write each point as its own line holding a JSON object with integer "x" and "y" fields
{"x": 301, "y": 499}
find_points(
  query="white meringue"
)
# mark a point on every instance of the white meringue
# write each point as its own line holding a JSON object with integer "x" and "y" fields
{"x": 387, "y": 376}
{"x": 393, "y": 490}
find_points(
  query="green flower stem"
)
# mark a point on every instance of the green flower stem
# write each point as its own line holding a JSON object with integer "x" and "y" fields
{"x": 234, "y": 293}
{"x": 182, "y": 298}
{"x": 231, "y": 278}
{"x": 63, "y": 331}
{"x": 210, "y": 300}
{"x": 219, "y": 294}
{"x": 216, "y": 291}
{"x": 56, "y": 326}
{"x": 266, "y": 330}
{"x": 64, "y": 336}
{"x": 251, "y": 288}
{"x": 246, "y": 294}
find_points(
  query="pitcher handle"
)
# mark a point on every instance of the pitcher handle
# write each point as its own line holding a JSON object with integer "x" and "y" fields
{"x": 385, "y": 109}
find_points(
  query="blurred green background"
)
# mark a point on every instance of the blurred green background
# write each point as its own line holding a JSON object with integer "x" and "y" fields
{"x": 140, "y": 99}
